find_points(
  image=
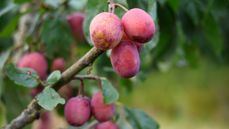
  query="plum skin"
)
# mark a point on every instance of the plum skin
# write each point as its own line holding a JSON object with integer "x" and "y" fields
{"x": 75, "y": 22}
{"x": 58, "y": 64}
{"x": 106, "y": 125}
{"x": 138, "y": 25}
{"x": 101, "y": 111}
{"x": 125, "y": 59}
{"x": 77, "y": 111}
{"x": 106, "y": 30}
{"x": 35, "y": 61}
{"x": 138, "y": 45}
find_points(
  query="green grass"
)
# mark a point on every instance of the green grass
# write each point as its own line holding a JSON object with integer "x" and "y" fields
{"x": 185, "y": 97}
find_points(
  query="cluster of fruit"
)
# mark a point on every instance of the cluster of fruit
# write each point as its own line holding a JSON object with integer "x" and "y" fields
{"x": 78, "y": 110}
{"x": 125, "y": 37}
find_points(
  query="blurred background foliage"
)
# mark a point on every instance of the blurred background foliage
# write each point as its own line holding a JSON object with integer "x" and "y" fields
{"x": 183, "y": 80}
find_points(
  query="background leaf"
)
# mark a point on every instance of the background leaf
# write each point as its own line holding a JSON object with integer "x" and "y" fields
{"x": 22, "y": 76}
{"x": 53, "y": 3}
{"x": 140, "y": 120}
{"x": 109, "y": 92}
{"x": 56, "y": 35}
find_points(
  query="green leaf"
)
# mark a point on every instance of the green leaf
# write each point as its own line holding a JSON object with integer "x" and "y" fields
{"x": 3, "y": 57}
{"x": 174, "y": 4}
{"x": 152, "y": 9}
{"x": 53, "y": 3}
{"x": 53, "y": 77}
{"x": 56, "y": 35}
{"x": 143, "y": 4}
{"x": 10, "y": 27}
{"x": 213, "y": 35}
{"x": 77, "y": 4}
{"x": 140, "y": 120}
{"x": 109, "y": 92}
{"x": 22, "y": 76}
{"x": 17, "y": 98}
{"x": 21, "y": 1}
{"x": 1, "y": 84}
{"x": 8, "y": 8}
{"x": 2, "y": 114}
{"x": 49, "y": 98}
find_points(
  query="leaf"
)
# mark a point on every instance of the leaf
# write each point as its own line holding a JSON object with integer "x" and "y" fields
{"x": 53, "y": 77}
{"x": 49, "y": 98}
{"x": 21, "y": 1}
{"x": 3, "y": 57}
{"x": 77, "y": 4}
{"x": 10, "y": 27}
{"x": 53, "y": 3}
{"x": 213, "y": 35}
{"x": 109, "y": 92}
{"x": 56, "y": 35}
{"x": 174, "y": 4}
{"x": 2, "y": 114}
{"x": 140, "y": 120}
{"x": 143, "y": 4}
{"x": 8, "y": 8}
{"x": 22, "y": 76}
{"x": 1, "y": 84}
{"x": 17, "y": 98}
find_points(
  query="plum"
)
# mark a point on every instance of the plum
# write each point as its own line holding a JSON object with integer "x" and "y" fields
{"x": 34, "y": 61}
{"x": 76, "y": 24}
{"x": 107, "y": 125}
{"x": 101, "y": 111}
{"x": 138, "y": 25}
{"x": 58, "y": 64}
{"x": 138, "y": 45}
{"x": 77, "y": 111}
{"x": 106, "y": 30}
{"x": 125, "y": 59}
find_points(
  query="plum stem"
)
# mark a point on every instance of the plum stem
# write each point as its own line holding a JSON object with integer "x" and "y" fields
{"x": 81, "y": 88}
{"x": 111, "y": 6}
{"x": 90, "y": 77}
{"x": 121, "y": 6}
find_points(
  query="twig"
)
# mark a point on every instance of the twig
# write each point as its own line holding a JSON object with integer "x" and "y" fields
{"x": 90, "y": 77}
{"x": 33, "y": 110}
{"x": 121, "y": 6}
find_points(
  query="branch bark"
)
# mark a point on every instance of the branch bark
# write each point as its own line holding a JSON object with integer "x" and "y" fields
{"x": 33, "y": 110}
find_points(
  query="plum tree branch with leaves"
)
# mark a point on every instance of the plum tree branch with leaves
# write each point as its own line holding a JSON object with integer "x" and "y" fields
{"x": 33, "y": 110}
{"x": 119, "y": 41}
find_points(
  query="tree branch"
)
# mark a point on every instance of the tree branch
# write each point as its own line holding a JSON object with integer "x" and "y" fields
{"x": 33, "y": 110}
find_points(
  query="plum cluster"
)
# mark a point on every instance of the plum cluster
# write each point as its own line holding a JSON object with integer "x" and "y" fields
{"x": 78, "y": 110}
{"x": 125, "y": 37}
